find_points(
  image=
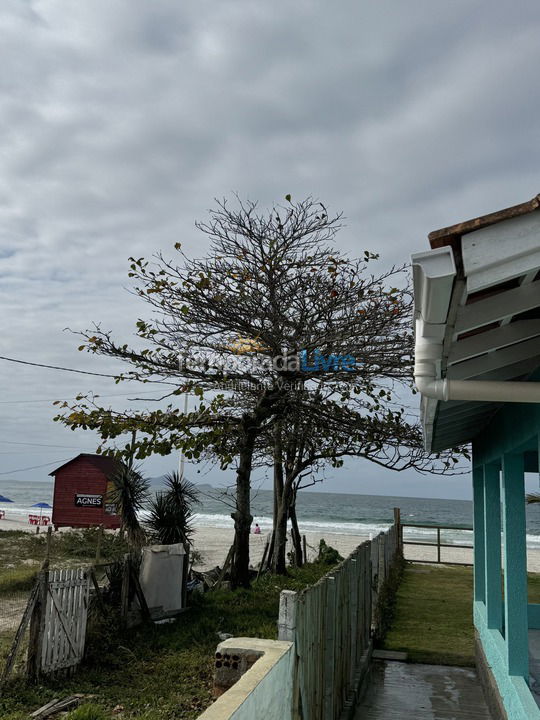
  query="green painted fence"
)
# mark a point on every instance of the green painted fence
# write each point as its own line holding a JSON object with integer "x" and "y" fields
{"x": 331, "y": 624}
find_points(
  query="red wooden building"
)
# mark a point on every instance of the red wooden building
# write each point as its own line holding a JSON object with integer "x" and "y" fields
{"x": 82, "y": 489}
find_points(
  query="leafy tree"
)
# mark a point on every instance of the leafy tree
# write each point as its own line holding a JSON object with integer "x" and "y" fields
{"x": 271, "y": 286}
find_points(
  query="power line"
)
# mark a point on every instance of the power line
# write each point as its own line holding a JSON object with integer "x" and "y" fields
{"x": 65, "y": 447}
{"x": 97, "y": 395}
{"x": 34, "y": 467}
{"x": 56, "y": 367}
{"x": 83, "y": 372}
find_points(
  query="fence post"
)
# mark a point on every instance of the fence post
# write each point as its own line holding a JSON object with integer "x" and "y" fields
{"x": 329, "y": 647}
{"x": 288, "y": 602}
{"x": 124, "y": 593}
{"x": 382, "y": 562}
{"x": 37, "y": 626}
{"x": 353, "y": 623}
{"x": 98, "y": 545}
{"x": 399, "y": 529}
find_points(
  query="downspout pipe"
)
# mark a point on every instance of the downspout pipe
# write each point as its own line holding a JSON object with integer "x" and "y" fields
{"x": 434, "y": 273}
{"x": 428, "y": 354}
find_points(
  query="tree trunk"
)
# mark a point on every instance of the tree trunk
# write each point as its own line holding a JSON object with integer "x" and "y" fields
{"x": 296, "y": 537}
{"x": 242, "y": 516}
{"x": 249, "y": 428}
{"x": 278, "y": 489}
{"x": 279, "y": 564}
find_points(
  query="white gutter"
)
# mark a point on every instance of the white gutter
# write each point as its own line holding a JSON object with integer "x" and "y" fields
{"x": 434, "y": 272}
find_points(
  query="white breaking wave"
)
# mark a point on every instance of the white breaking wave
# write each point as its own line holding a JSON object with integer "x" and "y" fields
{"x": 20, "y": 513}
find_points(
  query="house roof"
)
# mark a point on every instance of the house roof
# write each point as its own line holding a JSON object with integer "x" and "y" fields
{"x": 478, "y": 292}
{"x": 108, "y": 465}
{"x": 447, "y": 235}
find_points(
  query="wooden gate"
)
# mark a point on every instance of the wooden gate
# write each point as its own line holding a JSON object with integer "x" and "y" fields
{"x": 60, "y": 625}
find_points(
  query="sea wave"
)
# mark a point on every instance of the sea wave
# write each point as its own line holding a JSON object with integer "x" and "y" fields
{"x": 318, "y": 526}
{"x": 364, "y": 529}
{"x": 330, "y": 526}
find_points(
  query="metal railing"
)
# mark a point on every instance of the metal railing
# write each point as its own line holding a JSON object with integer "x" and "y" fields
{"x": 438, "y": 542}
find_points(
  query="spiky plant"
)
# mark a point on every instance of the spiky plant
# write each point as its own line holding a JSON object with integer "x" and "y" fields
{"x": 130, "y": 494}
{"x": 171, "y": 512}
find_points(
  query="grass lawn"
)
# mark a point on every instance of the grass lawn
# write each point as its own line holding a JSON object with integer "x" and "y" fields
{"x": 165, "y": 672}
{"x": 433, "y": 615}
{"x": 68, "y": 549}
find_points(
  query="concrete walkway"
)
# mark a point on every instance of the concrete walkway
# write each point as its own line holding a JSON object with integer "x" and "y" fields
{"x": 422, "y": 692}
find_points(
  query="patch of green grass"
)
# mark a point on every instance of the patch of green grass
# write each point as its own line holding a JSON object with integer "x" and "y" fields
{"x": 433, "y": 615}
{"x": 534, "y": 587}
{"x": 164, "y": 672}
{"x": 17, "y": 579}
{"x": 88, "y": 711}
{"x": 67, "y": 548}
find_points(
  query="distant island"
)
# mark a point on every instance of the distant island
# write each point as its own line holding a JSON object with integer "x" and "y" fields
{"x": 158, "y": 482}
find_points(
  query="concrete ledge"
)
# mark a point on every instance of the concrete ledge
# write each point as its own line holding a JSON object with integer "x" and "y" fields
{"x": 266, "y": 686}
{"x": 511, "y": 691}
{"x": 390, "y": 655}
{"x": 489, "y": 685}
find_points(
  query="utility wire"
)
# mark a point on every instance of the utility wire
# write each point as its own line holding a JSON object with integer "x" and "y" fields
{"x": 81, "y": 372}
{"x": 56, "y": 367}
{"x": 12, "y": 402}
{"x": 65, "y": 447}
{"x": 34, "y": 467}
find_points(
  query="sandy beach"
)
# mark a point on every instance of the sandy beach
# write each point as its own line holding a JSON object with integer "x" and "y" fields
{"x": 213, "y": 544}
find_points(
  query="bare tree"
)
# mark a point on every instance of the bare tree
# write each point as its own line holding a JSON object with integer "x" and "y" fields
{"x": 271, "y": 305}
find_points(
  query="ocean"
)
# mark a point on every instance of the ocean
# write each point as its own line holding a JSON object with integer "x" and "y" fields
{"x": 326, "y": 513}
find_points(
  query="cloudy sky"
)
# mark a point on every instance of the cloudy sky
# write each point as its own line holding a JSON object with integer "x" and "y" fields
{"x": 121, "y": 120}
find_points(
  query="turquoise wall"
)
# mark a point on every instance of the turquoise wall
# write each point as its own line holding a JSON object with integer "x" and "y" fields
{"x": 502, "y": 453}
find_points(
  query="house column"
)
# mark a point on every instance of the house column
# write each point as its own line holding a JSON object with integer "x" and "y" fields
{"x": 479, "y": 534}
{"x": 492, "y": 525}
{"x": 515, "y": 566}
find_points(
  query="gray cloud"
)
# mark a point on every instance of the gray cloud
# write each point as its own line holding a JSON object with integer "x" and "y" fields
{"x": 121, "y": 121}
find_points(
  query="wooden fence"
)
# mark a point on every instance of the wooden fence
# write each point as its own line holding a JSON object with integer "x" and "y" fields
{"x": 331, "y": 624}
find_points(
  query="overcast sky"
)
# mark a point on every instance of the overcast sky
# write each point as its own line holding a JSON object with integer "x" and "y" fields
{"x": 121, "y": 120}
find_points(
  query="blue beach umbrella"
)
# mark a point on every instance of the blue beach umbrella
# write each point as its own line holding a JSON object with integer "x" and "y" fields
{"x": 4, "y": 499}
{"x": 41, "y": 506}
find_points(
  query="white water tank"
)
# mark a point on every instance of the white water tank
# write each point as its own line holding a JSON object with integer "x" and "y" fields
{"x": 162, "y": 578}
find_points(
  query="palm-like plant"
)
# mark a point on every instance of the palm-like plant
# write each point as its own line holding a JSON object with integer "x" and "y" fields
{"x": 130, "y": 494}
{"x": 171, "y": 512}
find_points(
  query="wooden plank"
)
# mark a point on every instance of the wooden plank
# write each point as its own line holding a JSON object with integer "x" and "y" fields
{"x": 65, "y": 622}
{"x": 140, "y": 595}
{"x": 330, "y": 645}
{"x": 10, "y": 660}
{"x": 37, "y": 627}
{"x": 124, "y": 593}
{"x": 97, "y": 589}
{"x": 40, "y": 712}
